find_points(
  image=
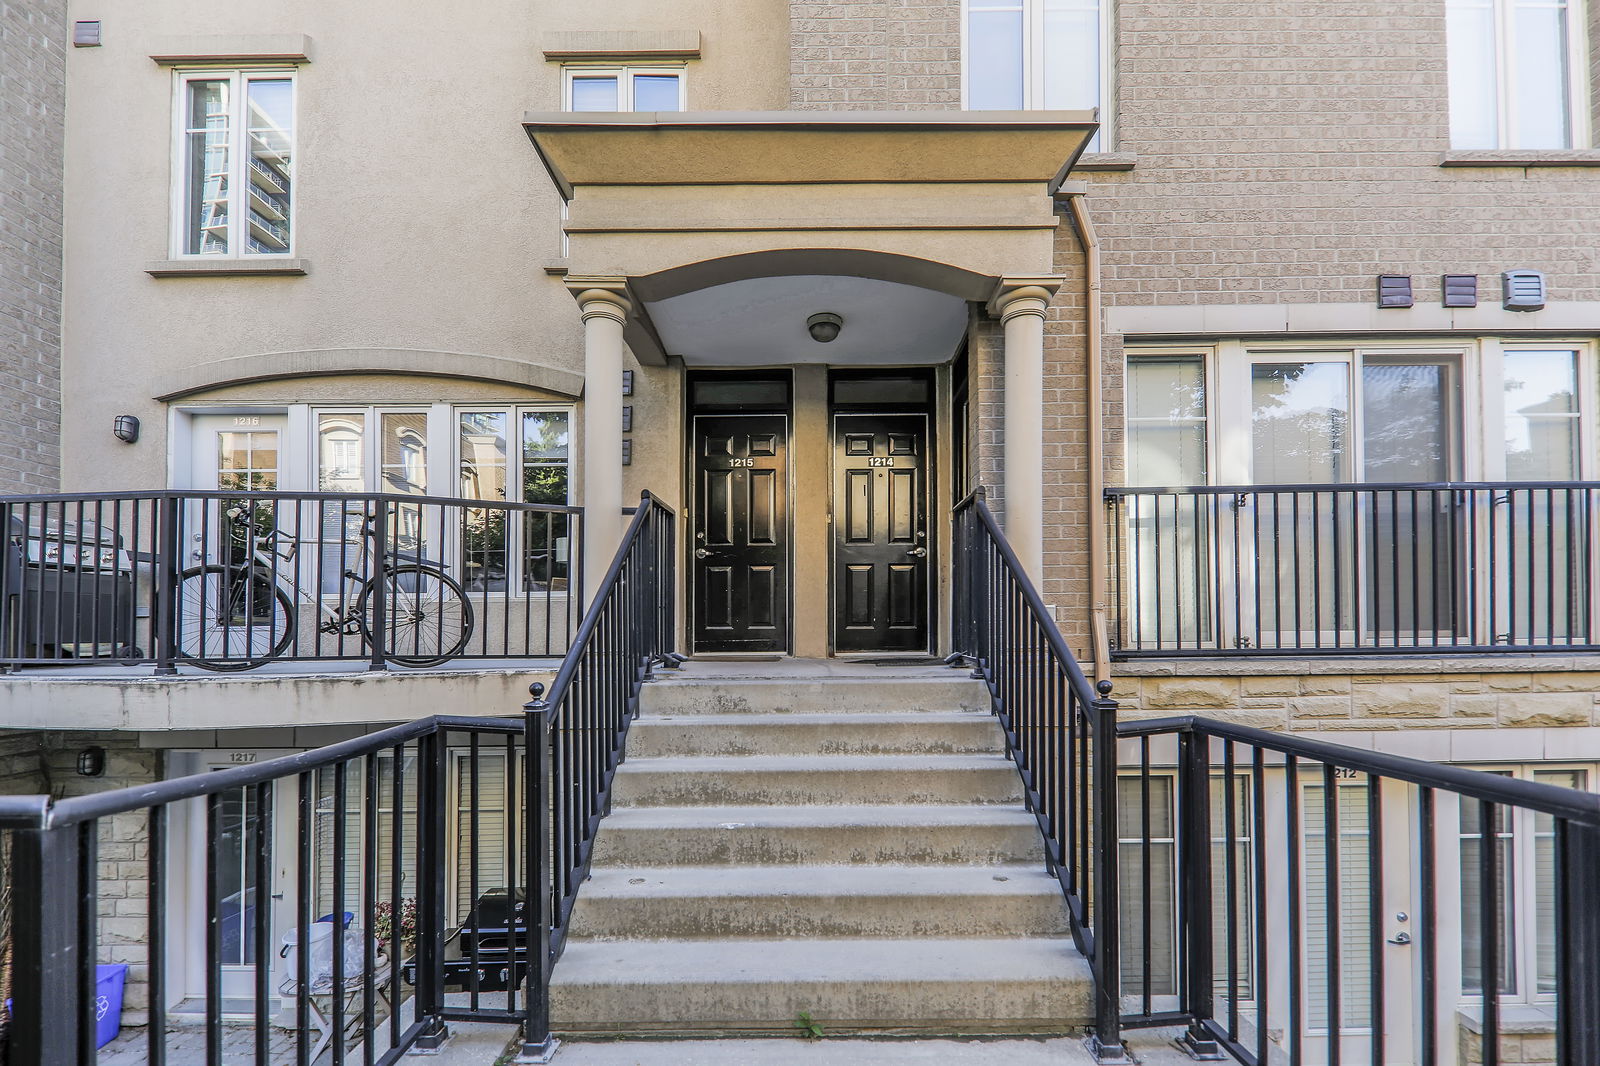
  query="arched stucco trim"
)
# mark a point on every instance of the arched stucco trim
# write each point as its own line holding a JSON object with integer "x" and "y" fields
{"x": 325, "y": 362}
{"x": 848, "y": 262}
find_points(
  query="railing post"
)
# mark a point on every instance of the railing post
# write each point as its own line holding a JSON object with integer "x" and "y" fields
{"x": 165, "y": 584}
{"x": 48, "y": 949}
{"x": 431, "y": 922}
{"x": 380, "y": 598}
{"x": 1105, "y": 1041}
{"x": 1578, "y": 934}
{"x": 538, "y": 1044}
{"x": 1194, "y": 880}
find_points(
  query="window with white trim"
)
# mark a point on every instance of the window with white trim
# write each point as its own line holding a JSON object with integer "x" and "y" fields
{"x": 1516, "y": 73}
{"x": 1035, "y": 54}
{"x": 623, "y": 88}
{"x": 521, "y": 454}
{"x": 234, "y": 162}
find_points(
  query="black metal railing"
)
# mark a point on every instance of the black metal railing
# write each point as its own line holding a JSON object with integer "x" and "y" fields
{"x": 1289, "y": 897}
{"x": 230, "y": 580}
{"x": 1060, "y": 733}
{"x": 1355, "y": 569}
{"x": 579, "y": 725}
{"x": 433, "y": 864}
{"x": 392, "y": 861}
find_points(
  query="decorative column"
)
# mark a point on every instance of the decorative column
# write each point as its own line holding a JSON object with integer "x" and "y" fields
{"x": 605, "y": 311}
{"x": 1020, "y": 306}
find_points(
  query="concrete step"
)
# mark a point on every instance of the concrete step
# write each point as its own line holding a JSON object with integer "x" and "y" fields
{"x": 925, "y": 732}
{"x": 786, "y": 780}
{"x": 952, "y": 691}
{"x": 692, "y": 902}
{"x": 923, "y": 986}
{"x": 706, "y": 836}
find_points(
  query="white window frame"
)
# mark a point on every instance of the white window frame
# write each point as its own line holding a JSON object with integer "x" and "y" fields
{"x": 1033, "y": 61}
{"x": 238, "y": 155}
{"x": 625, "y": 74}
{"x": 1504, "y": 73}
{"x": 514, "y": 413}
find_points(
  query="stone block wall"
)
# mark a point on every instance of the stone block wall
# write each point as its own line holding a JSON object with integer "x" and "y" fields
{"x": 1525, "y": 1048}
{"x": 1327, "y": 701}
{"x": 33, "y": 35}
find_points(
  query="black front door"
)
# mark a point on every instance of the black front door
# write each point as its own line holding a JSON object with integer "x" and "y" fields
{"x": 880, "y": 533}
{"x": 741, "y": 533}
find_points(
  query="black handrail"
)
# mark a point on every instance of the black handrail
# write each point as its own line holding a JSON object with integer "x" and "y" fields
{"x": 1448, "y": 568}
{"x": 577, "y": 728}
{"x": 231, "y": 579}
{"x": 55, "y": 906}
{"x": 1229, "y": 936}
{"x": 1060, "y": 733}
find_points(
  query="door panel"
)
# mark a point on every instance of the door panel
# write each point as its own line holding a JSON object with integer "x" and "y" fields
{"x": 880, "y": 533}
{"x": 741, "y": 533}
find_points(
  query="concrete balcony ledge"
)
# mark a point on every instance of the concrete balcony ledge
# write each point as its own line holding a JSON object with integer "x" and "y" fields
{"x": 288, "y": 695}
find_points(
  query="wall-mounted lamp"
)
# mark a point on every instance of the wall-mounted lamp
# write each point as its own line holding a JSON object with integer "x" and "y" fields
{"x": 126, "y": 427}
{"x": 824, "y": 326}
{"x": 92, "y": 761}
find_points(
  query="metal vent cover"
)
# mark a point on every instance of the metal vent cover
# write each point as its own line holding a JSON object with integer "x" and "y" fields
{"x": 1523, "y": 290}
{"x": 1460, "y": 290}
{"x": 1394, "y": 290}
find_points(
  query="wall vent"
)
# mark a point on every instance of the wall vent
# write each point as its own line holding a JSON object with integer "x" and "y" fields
{"x": 86, "y": 34}
{"x": 1394, "y": 290}
{"x": 1524, "y": 290}
{"x": 1461, "y": 290}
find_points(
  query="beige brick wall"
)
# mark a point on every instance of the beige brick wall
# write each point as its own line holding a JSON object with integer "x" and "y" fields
{"x": 1329, "y": 702}
{"x": 875, "y": 55}
{"x": 32, "y": 107}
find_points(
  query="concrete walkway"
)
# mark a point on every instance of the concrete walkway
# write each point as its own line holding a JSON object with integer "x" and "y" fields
{"x": 1151, "y": 1048}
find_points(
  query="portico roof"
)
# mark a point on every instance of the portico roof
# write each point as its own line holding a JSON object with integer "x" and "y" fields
{"x": 807, "y": 147}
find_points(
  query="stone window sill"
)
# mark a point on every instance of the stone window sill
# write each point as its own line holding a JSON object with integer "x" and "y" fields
{"x": 1513, "y": 1019}
{"x": 1102, "y": 162}
{"x": 227, "y": 268}
{"x": 1572, "y": 157}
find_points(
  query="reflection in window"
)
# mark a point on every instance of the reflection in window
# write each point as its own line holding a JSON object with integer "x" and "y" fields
{"x": 1510, "y": 73}
{"x": 236, "y": 164}
{"x": 1300, "y": 423}
{"x": 1541, "y": 403}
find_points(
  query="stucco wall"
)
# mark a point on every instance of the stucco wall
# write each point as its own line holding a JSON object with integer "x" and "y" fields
{"x": 33, "y": 36}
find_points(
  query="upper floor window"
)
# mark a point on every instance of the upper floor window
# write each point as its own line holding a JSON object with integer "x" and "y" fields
{"x": 1516, "y": 73}
{"x": 1031, "y": 54}
{"x": 235, "y": 163}
{"x": 624, "y": 88}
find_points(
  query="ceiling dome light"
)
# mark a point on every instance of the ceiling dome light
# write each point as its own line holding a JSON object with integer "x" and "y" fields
{"x": 824, "y": 326}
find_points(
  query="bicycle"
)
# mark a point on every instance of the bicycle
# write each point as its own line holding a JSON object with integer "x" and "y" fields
{"x": 239, "y": 615}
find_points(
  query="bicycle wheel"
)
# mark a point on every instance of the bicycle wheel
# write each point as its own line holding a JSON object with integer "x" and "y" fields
{"x": 427, "y": 619}
{"x": 231, "y": 619}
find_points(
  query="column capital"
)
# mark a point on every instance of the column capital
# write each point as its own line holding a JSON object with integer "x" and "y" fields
{"x": 601, "y": 297}
{"x": 1023, "y": 296}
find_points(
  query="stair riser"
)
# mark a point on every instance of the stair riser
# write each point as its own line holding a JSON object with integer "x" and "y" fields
{"x": 813, "y": 697}
{"x": 911, "y": 1007}
{"x": 648, "y": 738}
{"x": 791, "y": 845}
{"x": 645, "y": 787}
{"x": 679, "y": 917}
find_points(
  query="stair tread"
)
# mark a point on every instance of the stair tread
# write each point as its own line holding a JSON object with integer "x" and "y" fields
{"x": 766, "y": 764}
{"x": 820, "y": 881}
{"x": 818, "y": 961}
{"x": 819, "y": 816}
{"x": 850, "y": 718}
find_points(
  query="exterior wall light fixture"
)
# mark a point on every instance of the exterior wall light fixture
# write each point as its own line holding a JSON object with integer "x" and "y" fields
{"x": 824, "y": 326}
{"x": 126, "y": 427}
{"x": 92, "y": 761}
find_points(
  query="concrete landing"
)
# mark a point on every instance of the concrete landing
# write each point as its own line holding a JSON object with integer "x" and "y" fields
{"x": 1152, "y": 1048}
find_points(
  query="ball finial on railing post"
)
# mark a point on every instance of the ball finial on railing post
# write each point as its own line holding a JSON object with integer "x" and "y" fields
{"x": 1103, "y": 687}
{"x": 536, "y": 690}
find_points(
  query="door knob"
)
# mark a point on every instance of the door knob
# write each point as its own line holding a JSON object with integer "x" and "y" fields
{"x": 700, "y": 553}
{"x": 919, "y": 551}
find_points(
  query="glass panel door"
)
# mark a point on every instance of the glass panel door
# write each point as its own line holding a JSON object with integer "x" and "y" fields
{"x": 1410, "y": 418}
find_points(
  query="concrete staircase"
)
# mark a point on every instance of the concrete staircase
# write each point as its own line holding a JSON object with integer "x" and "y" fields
{"x": 853, "y": 847}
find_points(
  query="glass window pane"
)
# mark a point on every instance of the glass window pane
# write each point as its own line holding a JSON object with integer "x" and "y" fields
{"x": 1072, "y": 54}
{"x": 1544, "y": 859}
{"x": 1166, "y": 387}
{"x": 1539, "y": 92}
{"x": 597, "y": 93}
{"x": 655, "y": 92}
{"x": 1474, "y": 106}
{"x": 1408, "y": 415}
{"x": 270, "y": 115}
{"x": 207, "y": 133}
{"x": 544, "y": 456}
{"x": 484, "y": 459}
{"x": 1143, "y": 860}
{"x": 1472, "y": 898}
{"x": 1300, "y": 423}
{"x": 405, "y": 452}
{"x": 1541, "y": 405}
{"x": 340, "y": 460}
{"x": 720, "y": 392}
{"x": 994, "y": 60}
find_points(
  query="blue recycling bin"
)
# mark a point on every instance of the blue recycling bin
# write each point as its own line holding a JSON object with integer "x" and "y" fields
{"x": 108, "y": 981}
